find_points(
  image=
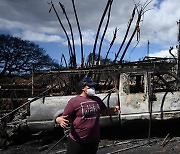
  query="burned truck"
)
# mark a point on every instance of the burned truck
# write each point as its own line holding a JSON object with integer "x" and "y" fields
{"x": 147, "y": 90}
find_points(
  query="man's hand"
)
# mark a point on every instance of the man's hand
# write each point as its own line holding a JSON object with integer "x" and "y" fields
{"x": 116, "y": 109}
{"x": 111, "y": 111}
{"x": 63, "y": 121}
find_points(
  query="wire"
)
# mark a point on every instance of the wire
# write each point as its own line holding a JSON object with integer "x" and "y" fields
{"x": 56, "y": 143}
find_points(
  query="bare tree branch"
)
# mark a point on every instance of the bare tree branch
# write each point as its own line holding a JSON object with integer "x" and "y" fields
{"x": 111, "y": 44}
{"x": 126, "y": 34}
{"x": 136, "y": 29}
{"x": 69, "y": 43}
{"x": 70, "y": 27}
{"x": 82, "y": 53}
{"x": 105, "y": 29}
{"x": 99, "y": 27}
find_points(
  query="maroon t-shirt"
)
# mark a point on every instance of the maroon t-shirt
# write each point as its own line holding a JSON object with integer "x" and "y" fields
{"x": 84, "y": 113}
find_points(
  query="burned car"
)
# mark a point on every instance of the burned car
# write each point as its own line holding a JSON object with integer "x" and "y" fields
{"x": 148, "y": 92}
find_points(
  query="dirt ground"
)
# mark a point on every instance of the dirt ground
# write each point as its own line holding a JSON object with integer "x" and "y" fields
{"x": 131, "y": 138}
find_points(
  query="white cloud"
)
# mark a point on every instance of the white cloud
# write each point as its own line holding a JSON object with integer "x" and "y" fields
{"x": 39, "y": 37}
{"x": 164, "y": 54}
{"x": 33, "y": 16}
{"x": 160, "y": 24}
{"x": 88, "y": 37}
{"x": 31, "y": 20}
{"x": 10, "y": 25}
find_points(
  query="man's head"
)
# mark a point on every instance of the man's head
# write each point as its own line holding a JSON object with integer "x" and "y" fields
{"x": 87, "y": 86}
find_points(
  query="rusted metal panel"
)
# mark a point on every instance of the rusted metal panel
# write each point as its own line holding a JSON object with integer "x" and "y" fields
{"x": 131, "y": 102}
{"x": 134, "y": 103}
{"x": 165, "y": 105}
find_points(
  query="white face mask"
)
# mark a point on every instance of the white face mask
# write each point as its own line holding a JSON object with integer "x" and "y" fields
{"x": 90, "y": 92}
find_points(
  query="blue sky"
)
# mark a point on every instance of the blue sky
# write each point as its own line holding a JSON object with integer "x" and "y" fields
{"x": 30, "y": 20}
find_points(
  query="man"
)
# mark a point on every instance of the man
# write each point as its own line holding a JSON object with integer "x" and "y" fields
{"x": 83, "y": 112}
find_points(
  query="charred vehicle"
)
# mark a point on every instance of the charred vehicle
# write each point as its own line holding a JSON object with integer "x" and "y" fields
{"x": 148, "y": 90}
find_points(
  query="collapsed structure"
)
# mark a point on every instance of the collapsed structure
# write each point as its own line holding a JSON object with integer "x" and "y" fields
{"x": 147, "y": 89}
{"x": 144, "y": 90}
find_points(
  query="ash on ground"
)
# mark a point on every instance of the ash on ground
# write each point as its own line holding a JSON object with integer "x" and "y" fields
{"x": 131, "y": 138}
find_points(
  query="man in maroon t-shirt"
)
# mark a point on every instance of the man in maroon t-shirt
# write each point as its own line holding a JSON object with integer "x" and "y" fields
{"x": 83, "y": 112}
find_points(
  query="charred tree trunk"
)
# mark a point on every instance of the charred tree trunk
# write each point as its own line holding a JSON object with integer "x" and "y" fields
{"x": 178, "y": 54}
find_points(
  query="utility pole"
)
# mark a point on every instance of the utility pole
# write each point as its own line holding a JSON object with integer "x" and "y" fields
{"x": 32, "y": 80}
{"x": 178, "y": 51}
{"x": 148, "y": 49}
